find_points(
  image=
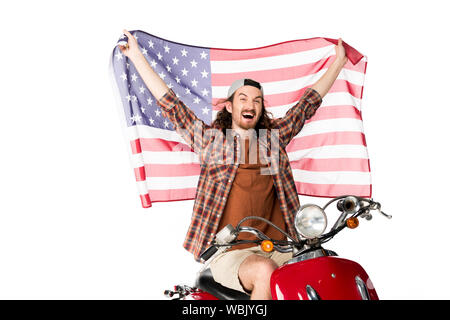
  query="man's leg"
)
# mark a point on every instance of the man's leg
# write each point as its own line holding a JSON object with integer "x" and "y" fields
{"x": 254, "y": 274}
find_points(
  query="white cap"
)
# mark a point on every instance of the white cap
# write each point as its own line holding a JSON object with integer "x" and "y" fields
{"x": 243, "y": 82}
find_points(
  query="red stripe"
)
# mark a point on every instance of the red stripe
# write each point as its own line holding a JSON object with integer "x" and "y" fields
{"x": 156, "y": 144}
{"x": 145, "y": 200}
{"x": 335, "y": 112}
{"x": 272, "y": 100}
{"x": 299, "y": 143}
{"x": 140, "y": 173}
{"x": 333, "y": 190}
{"x": 337, "y": 164}
{"x": 172, "y": 170}
{"x": 326, "y": 139}
{"x": 280, "y": 74}
{"x": 172, "y": 194}
{"x": 135, "y": 146}
{"x": 285, "y": 98}
{"x": 268, "y": 51}
{"x": 288, "y": 47}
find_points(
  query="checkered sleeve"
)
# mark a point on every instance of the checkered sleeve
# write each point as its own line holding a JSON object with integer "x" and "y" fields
{"x": 291, "y": 124}
{"x": 186, "y": 123}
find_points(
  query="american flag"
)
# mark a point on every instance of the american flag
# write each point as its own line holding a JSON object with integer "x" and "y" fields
{"x": 328, "y": 157}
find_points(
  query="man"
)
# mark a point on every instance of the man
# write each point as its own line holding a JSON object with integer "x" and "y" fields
{"x": 230, "y": 190}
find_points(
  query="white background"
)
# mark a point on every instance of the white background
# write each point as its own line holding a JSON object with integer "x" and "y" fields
{"x": 71, "y": 223}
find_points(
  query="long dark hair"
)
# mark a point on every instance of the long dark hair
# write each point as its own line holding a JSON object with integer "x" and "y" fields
{"x": 224, "y": 120}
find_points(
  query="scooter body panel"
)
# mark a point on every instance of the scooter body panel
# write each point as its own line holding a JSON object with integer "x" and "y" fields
{"x": 325, "y": 278}
{"x": 200, "y": 295}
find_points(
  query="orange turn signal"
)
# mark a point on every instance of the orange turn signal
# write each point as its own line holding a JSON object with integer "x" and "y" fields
{"x": 352, "y": 223}
{"x": 267, "y": 246}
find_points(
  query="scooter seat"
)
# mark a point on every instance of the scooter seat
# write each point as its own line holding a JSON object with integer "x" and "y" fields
{"x": 206, "y": 282}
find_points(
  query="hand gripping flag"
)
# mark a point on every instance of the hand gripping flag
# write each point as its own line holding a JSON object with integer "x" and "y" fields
{"x": 328, "y": 157}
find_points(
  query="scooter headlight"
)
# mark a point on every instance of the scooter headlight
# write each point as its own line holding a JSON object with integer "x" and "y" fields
{"x": 310, "y": 221}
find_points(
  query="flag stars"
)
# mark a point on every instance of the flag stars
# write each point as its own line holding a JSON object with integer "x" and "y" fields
{"x": 159, "y": 56}
{"x": 184, "y": 72}
{"x": 123, "y": 76}
{"x": 203, "y": 55}
{"x": 194, "y": 64}
{"x": 196, "y": 100}
{"x": 158, "y": 112}
{"x": 162, "y": 75}
{"x": 169, "y": 69}
{"x": 119, "y": 56}
{"x": 194, "y": 82}
{"x": 134, "y": 77}
{"x": 175, "y": 61}
{"x": 153, "y": 63}
{"x": 184, "y": 53}
{"x": 205, "y": 110}
{"x": 205, "y": 92}
{"x": 144, "y": 51}
{"x": 150, "y": 101}
{"x": 142, "y": 109}
{"x": 166, "y": 49}
{"x": 204, "y": 74}
{"x": 136, "y": 118}
{"x": 187, "y": 90}
{"x": 150, "y": 44}
{"x": 151, "y": 121}
{"x": 166, "y": 123}
{"x": 141, "y": 89}
{"x": 177, "y": 79}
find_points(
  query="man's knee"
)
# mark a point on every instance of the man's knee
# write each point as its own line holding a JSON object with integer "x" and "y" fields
{"x": 256, "y": 269}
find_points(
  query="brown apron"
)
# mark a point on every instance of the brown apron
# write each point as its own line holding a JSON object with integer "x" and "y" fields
{"x": 253, "y": 194}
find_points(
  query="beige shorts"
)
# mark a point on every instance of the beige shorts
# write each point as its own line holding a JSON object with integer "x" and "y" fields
{"x": 225, "y": 267}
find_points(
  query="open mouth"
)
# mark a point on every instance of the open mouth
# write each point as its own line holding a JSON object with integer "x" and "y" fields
{"x": 248, "y": 115}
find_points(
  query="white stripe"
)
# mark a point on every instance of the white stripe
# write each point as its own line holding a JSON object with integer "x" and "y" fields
{"x": 331, "y": 125}
{"x": 147, "y": 132}
{"x": 161, "y": 183}
{"x": 331, "y": 99}
{"x": 332, "y": 177}
{"x": 328, "y": 152}
{"x": 181, "y": 157}
{"x": 164, "y": 157}
{"x": 142, "y": 187}
{"x": 282, "y": 86}
{"x": 274, "y": 62}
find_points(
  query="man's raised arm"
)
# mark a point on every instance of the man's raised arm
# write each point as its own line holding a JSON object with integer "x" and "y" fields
{"x": 323, "y": 85}
{"x": 151, "y": 79}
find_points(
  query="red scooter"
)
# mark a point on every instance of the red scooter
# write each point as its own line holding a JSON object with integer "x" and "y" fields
{"x": 313, "y": 273}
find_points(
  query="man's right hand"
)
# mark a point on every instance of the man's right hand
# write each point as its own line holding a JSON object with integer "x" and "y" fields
{"x": 131, "y": 49}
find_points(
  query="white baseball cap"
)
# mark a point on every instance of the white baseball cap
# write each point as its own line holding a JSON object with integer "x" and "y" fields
{"x": 243, "y": 82}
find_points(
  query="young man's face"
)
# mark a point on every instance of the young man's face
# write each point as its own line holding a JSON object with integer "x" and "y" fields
{"x": 246, "y": 108}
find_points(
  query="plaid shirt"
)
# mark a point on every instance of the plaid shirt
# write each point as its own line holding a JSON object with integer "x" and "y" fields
{"x": 217, "y": 172}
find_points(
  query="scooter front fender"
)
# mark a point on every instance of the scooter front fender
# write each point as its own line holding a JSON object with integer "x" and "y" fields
{"x": 325, "y": 278}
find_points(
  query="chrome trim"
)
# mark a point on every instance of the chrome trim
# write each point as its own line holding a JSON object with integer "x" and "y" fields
{"x": 299, "y": 214}
{"x": 262, "y": 236}
{"x": 362, "y": 288}
{"x": 312, "y": 255}
{"x": 311, "y": 293}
